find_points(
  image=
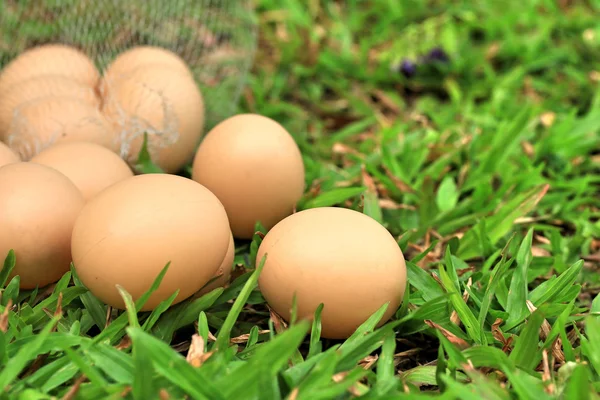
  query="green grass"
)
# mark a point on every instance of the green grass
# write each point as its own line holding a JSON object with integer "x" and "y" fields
{"x": 486, "y": 169}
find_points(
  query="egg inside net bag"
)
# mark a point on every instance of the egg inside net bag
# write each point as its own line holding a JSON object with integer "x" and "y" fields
{"x": 216, "y": 38}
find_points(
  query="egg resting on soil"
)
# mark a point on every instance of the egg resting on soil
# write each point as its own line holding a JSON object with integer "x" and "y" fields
{"x": 129, "y": 232}
{"x": 253, "y": 165}
{"x": 335, "y": 256}
{"x": 36, "y": 219}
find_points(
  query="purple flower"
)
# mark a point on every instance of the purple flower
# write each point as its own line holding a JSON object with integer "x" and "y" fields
{"x": 408, "y": 68}
{"x": 437, "y": 54}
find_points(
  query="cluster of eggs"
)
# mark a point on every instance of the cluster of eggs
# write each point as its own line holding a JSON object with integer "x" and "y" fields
{"x": 54, "y": 93}
{"x": 68, "y": 193}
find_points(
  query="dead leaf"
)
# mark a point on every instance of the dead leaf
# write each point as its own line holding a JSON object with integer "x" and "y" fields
{"x": 544, "y": 332}
{"x": 339, "y": 377}
{"x": 542, "y": 239}
{"x": 4, "y": 316}
{"x": 546, "y": 376}
{"x": 437, "y": 279}
{"x": 386, "y": 101}
{"x": 294, "y": 394}
{"x": 368, "y": 361}
{"x": 527, "y": 149}
{"x": 368, "y": 180}
{"x": 125, "y": 343}
{"x": 244, "y": 338}
{"x": 547, "y": 119}
{"x": 389, "y": 204}
{"x": 454, "y": 318}
{"x": 492, "y": 51}
{"x": 497, "y": 333}
{"x": 401, "y": 185}
{"x": 72, "y": 392}
{"x": 460, "y": 343}
{"x": 539, "y": 252}
{"x": 108, "y": 316}
{"x": 405, "y": 355}
{"x": 278, "y": 322}
{"x": 340, "y": 148}
{"x": 196, "y": 355}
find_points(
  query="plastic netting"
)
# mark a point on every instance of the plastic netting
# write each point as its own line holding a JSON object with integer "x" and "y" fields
{"x": 217, "y": 38}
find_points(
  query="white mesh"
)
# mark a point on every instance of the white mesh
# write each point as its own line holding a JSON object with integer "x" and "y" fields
{"x": 216, "y": 38}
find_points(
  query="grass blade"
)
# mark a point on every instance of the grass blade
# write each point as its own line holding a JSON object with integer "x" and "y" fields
{"x": 174, "y": 367}
{"x": 7, "y": 267}
{"x": 552, "y": 288}
{"x": 25, "y": 354}
{"x": 274, "y": 355}
{"x": 526, "y": 353}
{"x": 224, "y": 334}
{"x": 464, "y": 312}
{"x": 315, "y": 334}
{"x": 332, "y": 197}
{"x": 517, "y": 300}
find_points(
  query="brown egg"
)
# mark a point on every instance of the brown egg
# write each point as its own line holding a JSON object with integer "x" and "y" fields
{"x": 254, "y": 167}
{"x": 36, "y": 220}
{"x": 91, "y": 167}
{"x": 50, "y": 59}
{"x": 130, "y": 231}
{"x": 48, "y": 120}
{"x": 335, "y": 256}
{"x": 223, "y": 273}
{"x": 7, "y": 156}
{"x": 140, "y": 56}
{"x": 163, "y": 102}
{"x": 37, "y": 87}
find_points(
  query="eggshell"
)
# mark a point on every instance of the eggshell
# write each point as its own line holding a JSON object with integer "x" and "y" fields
{"x": 38, "y": 207}
{"x": 335, "y": 256}
{"x": 50, "y": 59}
{"x": 91, "y": 167}
{"x": 140, "y": 56}
{"x": 7, "y": 156}
{"x": 45, "y": 121}
{"x": 163, "y": 102}
{"x": 223, "y": 273}
{"x": 254, "y": 167}
{"x": 131, "y": 230}
{"x": 37, "y": 87}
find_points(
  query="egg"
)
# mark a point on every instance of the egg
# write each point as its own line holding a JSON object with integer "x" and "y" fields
{"x": 253, "y": 165}
{"x": 128, "y": 233}
{"x": 335, "y": 256}
{"x": 7, "y": 156}
{"x": 223, "y": 273}
{"x": 42, "y": 122}
{"x": 163, "y": 102}
{"x": 41, "y": 86}
{"x": 50, "y": 59}
{"x": 139, "y": 56}
{"x": 91, "y": 167}
{"x": 38, "y": 207}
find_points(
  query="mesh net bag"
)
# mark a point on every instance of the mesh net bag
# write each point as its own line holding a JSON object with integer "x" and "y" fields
{"x": 216, "y": 38}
